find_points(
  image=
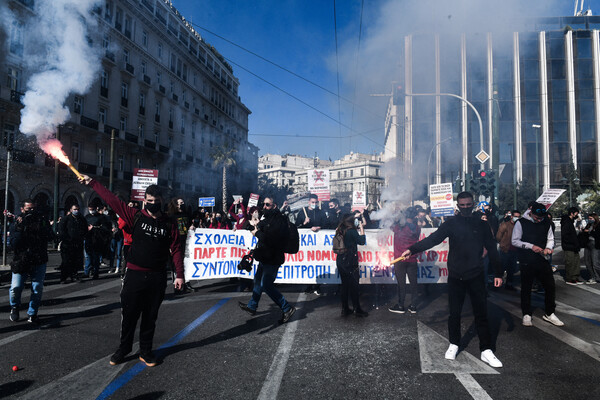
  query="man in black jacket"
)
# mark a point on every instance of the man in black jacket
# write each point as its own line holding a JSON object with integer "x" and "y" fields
{"x": 313, "y": 218}
{"x": 570, "y": 245}
{"x": 97, "y": 239}
{"x": 468, "y": 236}
{"x": 29, "y": 238}
{"x": 71, "y": 231}
{"x": 271, "y": 233}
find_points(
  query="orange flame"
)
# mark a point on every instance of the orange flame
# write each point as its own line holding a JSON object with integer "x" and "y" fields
{"x": 54, "y": 148}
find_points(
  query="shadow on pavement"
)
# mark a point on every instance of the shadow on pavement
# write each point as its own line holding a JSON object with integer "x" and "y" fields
{"x": 12, "y": 388}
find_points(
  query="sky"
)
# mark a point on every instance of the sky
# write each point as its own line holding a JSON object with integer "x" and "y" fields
{"x": 353, "y": 51}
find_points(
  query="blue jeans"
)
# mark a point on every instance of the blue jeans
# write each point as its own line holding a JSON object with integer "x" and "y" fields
{"x": 93, "y": 266}
{"x": 115, "y": 251}
{"x": 264, "y": 282}
{"x": 37, "y": 274}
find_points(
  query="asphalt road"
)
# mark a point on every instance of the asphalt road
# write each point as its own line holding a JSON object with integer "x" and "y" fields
{"x": 210, "y": 349}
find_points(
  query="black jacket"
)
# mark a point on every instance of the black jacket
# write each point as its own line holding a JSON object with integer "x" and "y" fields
{"x": 317, "y": 218}
{"x": 30, "y": 237}
{"x": 72, "y": 230}
{"x": 271, "y": 235}
{"x": 568, "y": 235}
{"x": 468, "y": 236}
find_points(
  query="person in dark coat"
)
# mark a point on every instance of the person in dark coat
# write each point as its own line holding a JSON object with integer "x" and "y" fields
{"x": 71, "y": 231}
{"x": 97, "y": 239}
{"x": 570, "y": 245}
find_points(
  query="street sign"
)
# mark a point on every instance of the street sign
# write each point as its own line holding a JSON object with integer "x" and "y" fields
{"x": 206, "y": 202}
{"x": 482, "y": 156}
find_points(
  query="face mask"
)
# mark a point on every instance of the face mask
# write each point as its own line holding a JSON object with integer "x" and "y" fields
{"x": 312, "y": 206}
{"x": 75, "y": 212}
{"x": 240, "y": 215}
{"x": 218, "y": 218}
{"x": 93, "y": 212}
{"x": 466, "y": 212}
{"x": 515, "y": 219}
{"x": 357, "y": 223}
{"x": 153, "y": 208}
{"x": 105, "y": 213}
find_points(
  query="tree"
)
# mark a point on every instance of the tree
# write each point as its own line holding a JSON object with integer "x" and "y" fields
{"x": 267, "y": 187}
{"x": 222, "y": 156}
{"x": 525, "y": 194}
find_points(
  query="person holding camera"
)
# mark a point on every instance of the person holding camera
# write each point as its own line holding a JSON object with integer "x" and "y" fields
{"x": 29, "y": 239}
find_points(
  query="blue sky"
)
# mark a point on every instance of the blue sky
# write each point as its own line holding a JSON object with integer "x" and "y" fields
{"x": 300, "y": 36}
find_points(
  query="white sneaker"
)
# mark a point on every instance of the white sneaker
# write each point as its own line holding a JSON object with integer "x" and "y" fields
{"x": 489, "y": 357}
{"x": 590, "y": 282}
{"x": 451, "y": 352}
{"x": 553, "y": 319}
{"x": 527, "y": 320}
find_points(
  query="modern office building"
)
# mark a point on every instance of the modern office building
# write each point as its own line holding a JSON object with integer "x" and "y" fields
{"x": 170, "y": 97}
{"x": 535, "y": 87}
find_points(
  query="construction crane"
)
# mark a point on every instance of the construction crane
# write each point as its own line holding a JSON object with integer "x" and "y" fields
{"x": 580, "y": 12}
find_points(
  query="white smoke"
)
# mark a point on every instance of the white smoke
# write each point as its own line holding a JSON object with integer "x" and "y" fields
{"x": 62, "y": 59}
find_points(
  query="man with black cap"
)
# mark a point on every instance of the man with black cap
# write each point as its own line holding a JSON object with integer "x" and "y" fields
{"x": 533, "y": 237}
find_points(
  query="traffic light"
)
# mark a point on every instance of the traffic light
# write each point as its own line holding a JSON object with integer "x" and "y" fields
{"x": 474, "y": 184}
{"x": 491, "y": 183}
{"x": 483, "y": 182}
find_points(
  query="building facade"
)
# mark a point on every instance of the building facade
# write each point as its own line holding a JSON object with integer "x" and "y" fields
{"x": 536, "y": 90}
{"x": 169, "y": 97}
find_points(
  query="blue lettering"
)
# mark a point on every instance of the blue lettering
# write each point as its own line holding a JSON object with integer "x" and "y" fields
{"x": 208, "y": 239}
{"x": 328, "y": 240}
{"x": 199, "y": 238}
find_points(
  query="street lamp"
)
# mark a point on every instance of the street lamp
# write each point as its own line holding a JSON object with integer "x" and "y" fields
{"x": 537, "y": 165}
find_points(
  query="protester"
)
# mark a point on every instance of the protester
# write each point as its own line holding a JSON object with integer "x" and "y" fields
{"x": 97, "y": 239}
{"x": 333, "y": 214}
{"x": 179, "y": 217}
{"x": 405, "y": 235}
{"x": 238, "y": 215}
{"x": 71, "y": 231}
{"x": 155, "y": 238}
{"x": 127, "y": 239}
{"x": 534, "y": 240}
{"x": 571, "y": 247}
{"x": 352, "y": 231}
{"x": 30, "y": 235}
{"x": 589, "y": 251}
{"x": 313, "y": 218}
{"x": 508, "y": 253}
{"x": 218, "y": 222}
{"x": 269, "y": 253}
{"x": 468, "y": 237}
{"x": 116, "y": 244}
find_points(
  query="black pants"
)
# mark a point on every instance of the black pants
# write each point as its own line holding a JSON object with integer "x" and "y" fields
{"x": 123, "y": 265}
{"x": 72, "y": 260}
{"x": 402, "y": 269}
{"x": 457, "y": 289}
{"x": 542, "y": 270}
{"x": 142, "y": 293}
{"x": 350, "y": 278}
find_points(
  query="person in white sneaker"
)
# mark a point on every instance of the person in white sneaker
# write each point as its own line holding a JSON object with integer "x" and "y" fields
{"x": 468, "y": 236}
{"x": 533, "y": 237}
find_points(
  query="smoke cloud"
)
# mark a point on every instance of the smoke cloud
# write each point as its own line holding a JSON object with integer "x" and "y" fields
{"x": 62, "y": 58}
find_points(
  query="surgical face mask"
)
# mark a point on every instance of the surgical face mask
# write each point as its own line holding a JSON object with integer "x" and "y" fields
{"x": 312, "y": 206}
{"x": 93, "y": 212}
{"x": 75, "y": 212}
{"x": 357, "y": 222}
{"x": 105, "y": 212}
{"x": 515, "y": 219}
{"x": 153, "y": 208}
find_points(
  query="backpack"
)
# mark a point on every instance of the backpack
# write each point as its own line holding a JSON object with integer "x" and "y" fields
{"x": 338, "y": 244}
{"x": 292, "y": 243}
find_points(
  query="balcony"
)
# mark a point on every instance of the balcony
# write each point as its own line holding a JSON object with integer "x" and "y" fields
{"x": 124, "y": 101}
{"x": 129, "y": 68}
{"x": 142, "y": 110}
{"x": 149, "y": 144}
{"x": 103, "y": 91}
{"x": 127, "y": 34}
{"x": 186, "y": 105}
{"x": 108, "y": 130}
{"x": 163, "y": 149}
{"x": 130, "y": 137}
{"x": 118, "y": 26}
{"x": 148, "y": 4}
{"x": 89, "y": 123}
{"x": 175, "y": 97}
{"x": 162, "y": 89}
{"x": 197, "y": 112}
{"x": 147, "y": 79}
{"x": 24, "y": 156}
{"x": 86, "y": 168}
{"x": 110, "y": 55}
{"x": 16, "y": 97}
{"x": 156, "y": 118}
{"x": 189, "y": 157}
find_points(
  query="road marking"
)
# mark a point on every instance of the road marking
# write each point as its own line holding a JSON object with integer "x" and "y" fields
{"x": 274, "y": 377}
{"x": 567, "y": 309}
{"x": 140, "y": 366}
{"x": 432, "y": 347}
{"x": 559, "y": 278}
{"x": 590, "y": 349}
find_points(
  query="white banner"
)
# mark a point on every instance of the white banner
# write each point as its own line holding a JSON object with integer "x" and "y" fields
{"x": 213, "y": 253}
{"x": 550, "y": 196}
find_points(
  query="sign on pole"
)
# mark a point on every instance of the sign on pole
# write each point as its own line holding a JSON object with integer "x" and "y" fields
{"x": 142, "y": 178}
{"x": 206, "y": 202}
{"x": 359, "y": 199}
{"x": 441, "y": 200}
{"x": 253, "y": 202}
{"x": 318, "y": 183}
{"x": 550, "y": 196}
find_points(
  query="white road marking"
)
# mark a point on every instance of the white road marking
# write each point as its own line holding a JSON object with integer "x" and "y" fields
{"x": 272, "y": 382}
{"x": 432, "y": 347}
{"x": 587, "y": 348}
{"x": 584, "y": 286}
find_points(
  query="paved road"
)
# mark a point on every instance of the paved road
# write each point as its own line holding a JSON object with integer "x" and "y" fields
{"x": 211, "y": 349}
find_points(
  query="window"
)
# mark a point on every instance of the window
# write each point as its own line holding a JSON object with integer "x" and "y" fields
{"x": 74, "y": 151}
{"x": 128, "y": 27}
{"x": 169, "y": 141}
{"x": 9, "y": 135}
{"x": 141, "y": 131}
{"x": 120, "y": 162}
{"x": 351, "y": 173}
{"x": 102, "y": 115}
{"x": 193, "y": 130}
{"x": 124, "y": 90}
{"x": 126, "y": 56}
{"x": 101, "y": 157}
{"x": 123, "y": 124}
{"x": 156, "y": 137}
{"x": 14, "y": 79}
{"x": 157, "y": 107}
{"x": 182, "y": 126}
{"x": 145, "y": 38}
{"x": 183, "y": 95}
{"x": 173, "y": 62}
{"x": 160, "y": 51}
{"x": 142, "y": 100}
{"x": 104, "y": 79}
{"x": 143, "y": 67}
{"x": 185, "y": 72}
{"x": 105, "y": 42}
{"x": 158, "y": 77}
{"x": 78, "y": 105}
{"x": 362, "y": 172}
{"x": 170, "y": 115}
{"x": 16, "y": 38}
{"x": 108, "y": 11}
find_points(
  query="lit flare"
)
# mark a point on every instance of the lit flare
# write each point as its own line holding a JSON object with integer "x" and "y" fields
{"x": 54, "y": 148}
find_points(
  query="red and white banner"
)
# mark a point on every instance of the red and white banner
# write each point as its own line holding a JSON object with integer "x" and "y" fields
{"x": 142, "y": 178}
{"x": 253, "y": 201}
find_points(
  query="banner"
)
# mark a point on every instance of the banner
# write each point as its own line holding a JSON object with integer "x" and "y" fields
{"x": 213, "y": 253}
{"x": 441, "y": 200}
{"x": 142, "y": 178}
{"x": 318, "y": 183}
